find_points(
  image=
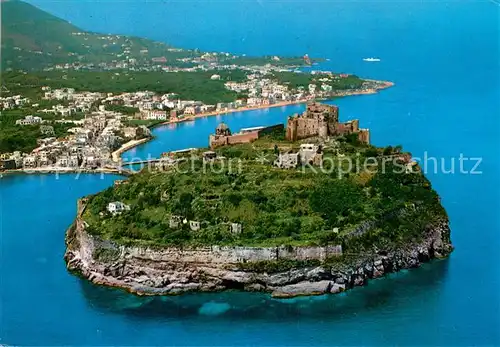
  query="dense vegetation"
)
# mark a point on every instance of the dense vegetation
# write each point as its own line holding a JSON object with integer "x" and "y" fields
{"x": 295, "y": 80}
{"x": 274, "y": 206}
{"x": 188, "y": 85}
{"x": 284, "y": 61}
{"x": 24, "y": 137}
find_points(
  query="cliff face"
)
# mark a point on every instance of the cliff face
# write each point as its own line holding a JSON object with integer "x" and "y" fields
{"x": 175, "y": 271}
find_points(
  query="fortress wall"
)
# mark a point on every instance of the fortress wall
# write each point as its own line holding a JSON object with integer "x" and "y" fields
{"x": 231, "y": 255}
{"x": 218, "y": 255}
{"x": 307, "y": 127}
{"x": 291, "y": 129}
{"x": 221, "y": 140}
{"x": 242, "y": 138}
{"x": 217, "y": 141}
{"x": 270, "y": 129}
{"x": 364, "y": 135}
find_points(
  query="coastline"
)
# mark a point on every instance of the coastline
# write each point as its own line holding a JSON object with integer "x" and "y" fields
{"x": 116, "y": 155}
{"x": 318, "y": 270}
{"x": 134, "y": 143}
{"x": 235, "y": 110}
{"x": 65, "y": 170}
{"x": 172, "y": 271}
{"x": 383, "y": 85}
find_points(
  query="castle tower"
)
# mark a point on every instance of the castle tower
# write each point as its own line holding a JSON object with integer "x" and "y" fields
{"x": 291, "y": 128}
{"x": 364, "y": 136}
{"x": 334, "y": 113}
{"x": 355, "y": 125}
{"x": 322, "y": 127}
{"x": 222, "y": 129}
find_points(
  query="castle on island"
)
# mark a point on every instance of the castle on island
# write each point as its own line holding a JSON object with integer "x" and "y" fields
{"x": 318, "y": 120}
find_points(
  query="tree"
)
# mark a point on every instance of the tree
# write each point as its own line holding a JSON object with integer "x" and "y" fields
{"x": 388, "y": 150}
{"x": 183, "y": 205}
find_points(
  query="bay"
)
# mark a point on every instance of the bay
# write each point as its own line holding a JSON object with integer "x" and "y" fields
{"x": 444, "y": 58}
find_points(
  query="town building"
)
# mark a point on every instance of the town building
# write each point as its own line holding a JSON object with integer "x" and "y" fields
{"x": 131, "y": 132}
{"x": 209, "y": 156}
{"x": 235, "y": 228}
{"x": 29, "y": 120}
{"x": 175, "y": 222}
{"x": 155, "y": 115}
{"x": 8, "y": 164}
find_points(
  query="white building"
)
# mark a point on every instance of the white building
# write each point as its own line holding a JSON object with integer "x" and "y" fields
{"x": 307, "y": 152}
{"x": 191, "y": 110}
{"x": 29, "y": 120}
{"x": 155, "y": 115}
{"x": 29, "y": 161}
{"x": 117, "y": 207}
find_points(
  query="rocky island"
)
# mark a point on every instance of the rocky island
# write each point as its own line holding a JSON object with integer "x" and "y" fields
{"x": 306, "y": 210}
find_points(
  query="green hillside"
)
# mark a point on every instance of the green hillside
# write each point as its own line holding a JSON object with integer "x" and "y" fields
{"x": 27, "y": 27}
{"x": 369, "y": 205}
{"x": 33, "y": 39}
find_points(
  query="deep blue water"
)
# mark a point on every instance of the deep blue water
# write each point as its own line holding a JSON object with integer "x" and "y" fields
{"x": 444, "y": 58}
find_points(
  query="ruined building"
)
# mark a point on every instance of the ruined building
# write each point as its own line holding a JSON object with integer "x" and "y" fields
{"x": 308, "y": 154}
{"x": 322, "y": 120}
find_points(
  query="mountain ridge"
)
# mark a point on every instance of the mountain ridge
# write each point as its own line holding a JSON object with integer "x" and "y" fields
{"x": 33, "y": 39}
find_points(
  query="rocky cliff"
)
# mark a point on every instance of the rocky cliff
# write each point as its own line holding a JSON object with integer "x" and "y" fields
{"x": 172, "y": 271}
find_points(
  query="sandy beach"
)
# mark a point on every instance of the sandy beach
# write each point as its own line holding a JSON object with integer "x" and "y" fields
{"x": 383, "y": 85}
{"x": 126, "y": 146}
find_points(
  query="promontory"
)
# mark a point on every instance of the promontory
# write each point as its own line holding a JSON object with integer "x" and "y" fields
{"x": 302, "y": 209}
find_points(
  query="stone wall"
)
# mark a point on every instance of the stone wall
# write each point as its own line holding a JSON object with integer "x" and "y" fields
{"x": 224, "y": 140}
{"x": 364, "y": 135}
{"x": 217, "y": 141}
{"x": 242, "y": 138}
{"x": 173, "y": 271}
{"x": 88, "y": 244}
{"x": 206, "y": 255}
{"x": 233, "y": 255}
{"x": 300, "y": 128}
{"x": 347, "y": 127}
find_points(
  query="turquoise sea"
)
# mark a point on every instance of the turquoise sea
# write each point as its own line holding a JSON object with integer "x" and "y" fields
{"x": 444, "y": 58}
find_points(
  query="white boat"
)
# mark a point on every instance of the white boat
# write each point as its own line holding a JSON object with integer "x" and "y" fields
{"x": 371, "y": 59}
